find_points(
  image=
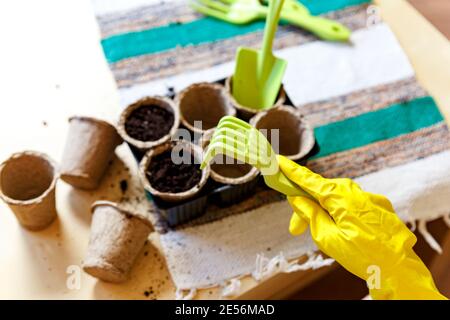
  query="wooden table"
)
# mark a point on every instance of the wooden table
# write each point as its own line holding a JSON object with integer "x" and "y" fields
{"x": 53, "y": 67}
{"x": 437, "y": 12}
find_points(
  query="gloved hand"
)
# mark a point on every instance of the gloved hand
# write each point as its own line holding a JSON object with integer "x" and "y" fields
{"x": 361, "y": 232}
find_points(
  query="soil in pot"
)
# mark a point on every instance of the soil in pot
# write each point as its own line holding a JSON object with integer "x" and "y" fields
{"x": 149, "y": 123}
{"x": 166, "y": 176}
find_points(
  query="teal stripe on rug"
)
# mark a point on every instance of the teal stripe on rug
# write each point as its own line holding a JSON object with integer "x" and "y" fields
{"x": 204, "y": 30}
{"x": 384, "y": 124}
{"x": 322, "y": 6}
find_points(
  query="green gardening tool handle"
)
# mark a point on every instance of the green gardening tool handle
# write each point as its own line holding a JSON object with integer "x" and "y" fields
{"x": 323, "y": 28}
{"x": 296, "y": 14}
{"x": 273, "y": 16}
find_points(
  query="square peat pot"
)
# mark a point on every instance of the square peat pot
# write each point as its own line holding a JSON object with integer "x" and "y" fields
{"x": 177, "y": 213}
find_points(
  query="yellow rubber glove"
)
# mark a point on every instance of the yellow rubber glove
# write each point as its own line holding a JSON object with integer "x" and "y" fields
{"x": 361, "y": 232}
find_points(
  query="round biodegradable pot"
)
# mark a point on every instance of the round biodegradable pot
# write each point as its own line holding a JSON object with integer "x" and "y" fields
{"x": 296, "y": 136}
{"x": 227, "y": 170}
{"x": 181, "y": 152}
{"x": 27, "y": 185}
{"x": 149, "y": 122}
{"x": 117, "y": 236}
{"x": 202, "y": 105}
{"x": 89, "y": 148}
{"x": 245, "y": 113}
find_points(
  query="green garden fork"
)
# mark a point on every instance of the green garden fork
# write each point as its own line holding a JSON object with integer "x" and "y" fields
{"x": 237, "y": 139}
{"x": 245, "y": 11}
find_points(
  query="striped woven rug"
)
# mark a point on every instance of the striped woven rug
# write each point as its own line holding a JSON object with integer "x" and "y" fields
{"x": 373, "y": 122}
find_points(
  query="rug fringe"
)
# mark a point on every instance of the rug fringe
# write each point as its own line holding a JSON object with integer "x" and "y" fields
{"x": 447, "y": 220}
{"x": 413, "y": 225}
{"x": 179, "y": 294}
{"x": 232, "y": 288}
{"x": 266, "y": 267}
{"x": 428, "y": 237}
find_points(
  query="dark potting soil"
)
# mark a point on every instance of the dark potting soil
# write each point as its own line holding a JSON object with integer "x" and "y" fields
{"x": 124, "y": 185}
{"x": 149, "y": 123}
{"x": 166, "y": 176}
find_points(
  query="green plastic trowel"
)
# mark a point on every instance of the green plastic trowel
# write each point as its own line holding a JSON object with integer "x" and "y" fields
{"x": 258, "y": 74}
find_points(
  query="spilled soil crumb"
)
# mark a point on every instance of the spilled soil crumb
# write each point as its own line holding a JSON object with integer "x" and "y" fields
{"x": 123, "y": 185}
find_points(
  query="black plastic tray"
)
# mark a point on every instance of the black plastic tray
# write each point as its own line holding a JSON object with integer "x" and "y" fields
{"x": 176, "y": 213}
